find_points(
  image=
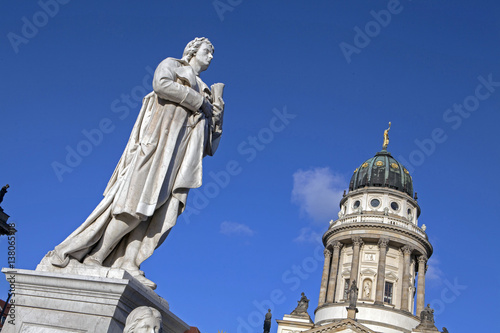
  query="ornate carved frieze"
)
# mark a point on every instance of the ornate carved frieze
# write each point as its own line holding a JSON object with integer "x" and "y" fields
{"x": 370, "y": 257}
{"x": 379, "y": 226}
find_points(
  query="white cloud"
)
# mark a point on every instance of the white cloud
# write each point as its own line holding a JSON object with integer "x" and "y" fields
{"x": 318, "y": 192}
{"x": 307, "y": 235}
{"x": 433, "y": 272}
{"x": 233, "y": 228}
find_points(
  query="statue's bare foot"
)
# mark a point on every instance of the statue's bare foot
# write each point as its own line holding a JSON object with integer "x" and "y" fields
{"x": 145, "y": 281}
{"x": 139, "y": 275}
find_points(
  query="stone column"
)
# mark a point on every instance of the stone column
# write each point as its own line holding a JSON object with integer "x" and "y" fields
{"x": 324, "y": 278}
{"x": 356, "y": 244}
{"x": 406, "y": 278}
{"x": 333, "y": 272}
{"x": 379, "y": 292}
{"x": 422, "y": 261}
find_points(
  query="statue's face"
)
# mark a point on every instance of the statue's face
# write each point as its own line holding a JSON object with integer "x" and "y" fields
{"x": 148, "y": 325}
{"x": 203, "y": 56}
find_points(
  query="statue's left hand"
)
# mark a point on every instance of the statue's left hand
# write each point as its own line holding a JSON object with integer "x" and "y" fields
{"x": 207, "y": 108}
{"x": 219, "y": 104}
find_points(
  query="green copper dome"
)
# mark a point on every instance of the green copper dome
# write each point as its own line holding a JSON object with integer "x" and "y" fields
{"x": 382, "y": 170}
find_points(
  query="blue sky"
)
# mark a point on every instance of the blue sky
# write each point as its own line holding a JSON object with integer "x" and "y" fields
{"x": 307, "y": 99}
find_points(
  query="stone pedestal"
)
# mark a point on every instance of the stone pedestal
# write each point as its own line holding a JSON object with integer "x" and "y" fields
{"x": 49, "y": 302}
{"x": 351, "y": 312}
{"x": 294, "y": 323}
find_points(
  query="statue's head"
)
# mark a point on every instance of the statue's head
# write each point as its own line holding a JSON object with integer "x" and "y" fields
{"x": 143, "y": 319}
{"x": 193, "y": 46}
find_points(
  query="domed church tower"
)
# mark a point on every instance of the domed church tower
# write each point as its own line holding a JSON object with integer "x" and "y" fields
{"x": 375, "y": 255}
{"x": 376, "y": 246}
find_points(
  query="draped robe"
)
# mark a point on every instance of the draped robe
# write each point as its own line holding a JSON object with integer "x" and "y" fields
{"x": 161, "y": 163}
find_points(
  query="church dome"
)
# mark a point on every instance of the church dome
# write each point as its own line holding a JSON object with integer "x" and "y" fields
{"x": 382, "y": 170}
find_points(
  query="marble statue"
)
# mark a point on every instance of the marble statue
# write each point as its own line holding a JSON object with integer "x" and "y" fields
{"x": 386, "y": 137}
{"x": 427, "y": 314}
{"x": 367, "y": 286}
{"x": 427, "y": 320}
{"x": 353, "y": 295}
{"x": 267, "y": 321}
{"x": 180, "y": 122}
{"x": 302, "y": 306}
{"x": 143, "y": 319}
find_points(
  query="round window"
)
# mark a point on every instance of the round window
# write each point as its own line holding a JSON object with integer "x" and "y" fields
{"x": 356, "y": 204}
{"x": 375, "y": 202}
{"x": 394, "y": 205}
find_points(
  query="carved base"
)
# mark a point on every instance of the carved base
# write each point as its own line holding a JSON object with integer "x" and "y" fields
{"x": 76, "y": 268}
{"x": 61, "y": 302}
{"x": 426, "y": 328}
{"x": 351, "y": 312}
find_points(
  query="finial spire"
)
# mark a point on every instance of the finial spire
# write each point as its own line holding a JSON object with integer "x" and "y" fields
{"x": 386, "y": 137}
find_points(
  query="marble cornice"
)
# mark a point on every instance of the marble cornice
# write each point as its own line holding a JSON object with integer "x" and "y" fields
{"x": 368, "y": 305}
{"x": 381, "y": 226}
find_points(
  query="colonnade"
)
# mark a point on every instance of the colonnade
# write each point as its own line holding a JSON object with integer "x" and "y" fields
{"x": 329, "y": 279}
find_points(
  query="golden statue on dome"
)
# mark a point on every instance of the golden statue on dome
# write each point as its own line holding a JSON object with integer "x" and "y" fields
{"x": 386, "y": 137}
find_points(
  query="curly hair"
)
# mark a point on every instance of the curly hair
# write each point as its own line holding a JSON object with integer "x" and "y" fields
{"x": 138, "y": 314}
{"x": 193, "y": 46}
